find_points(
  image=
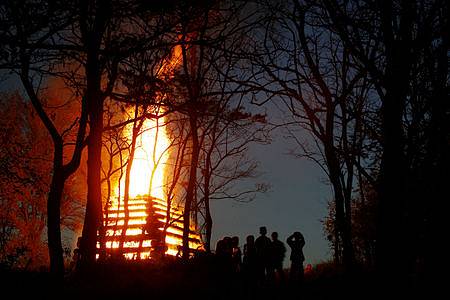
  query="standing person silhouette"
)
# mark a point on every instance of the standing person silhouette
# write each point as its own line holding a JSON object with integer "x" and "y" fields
{"x": 250, "y": 261}
{"x": 249, "y": 267}
{"x": 236, "y": 258}
{"x": 296, "y": 241}
{"x": 263, "y": 247}
{"x": 277, "y": 257}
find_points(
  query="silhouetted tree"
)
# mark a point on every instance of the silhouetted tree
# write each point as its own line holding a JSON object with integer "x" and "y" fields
{"x": 106, "y": 35}
{"x": 29, "y": 29}
{"x": 400, "y": 44}
{"x": 305, "y": 69}
{"x": 26, "y": 176}
{"x": 364, "y": 207}
{"x": 219, "y": 129}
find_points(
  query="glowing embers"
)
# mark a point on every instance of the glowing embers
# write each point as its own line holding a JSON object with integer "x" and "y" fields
{"x": 144, "y": 229}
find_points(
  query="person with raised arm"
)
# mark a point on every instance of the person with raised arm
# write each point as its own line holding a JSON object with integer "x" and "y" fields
{"x": 296, "y": 241}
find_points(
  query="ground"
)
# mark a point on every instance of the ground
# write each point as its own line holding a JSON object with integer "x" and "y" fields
{"x": 195, "y": 280}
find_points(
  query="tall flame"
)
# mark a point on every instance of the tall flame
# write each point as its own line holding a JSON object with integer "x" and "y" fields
{"x": 151, "y": 147}
{"x": 147, "y": 179}
{"x": 151, "y": 155}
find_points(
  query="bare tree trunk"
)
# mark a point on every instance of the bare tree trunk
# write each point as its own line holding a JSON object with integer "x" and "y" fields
{"x": 178, "y": 166}
{"x": 60, "y": 171}
{"x": 92, "y": 35}
{"x": 341, "y": 221}
{"x": 207, "y": 193}
{"x": 54, "y": 215}
{"x": 93, "y": 217}
{"x": 190, "y": 193}
{"x": 137, "y": 125}
{"x": 438, "y": 153}
{"x": 208, "y": 217}
{"x": 126, "y": 196}
{"x": 56, "y": 186}
{"x": 391, "y": 190}
{"x": 102, "y": 233}
{"x": 391, "y": 187}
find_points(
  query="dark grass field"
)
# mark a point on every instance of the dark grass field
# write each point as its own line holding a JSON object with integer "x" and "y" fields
{"x": 199, "y": 280}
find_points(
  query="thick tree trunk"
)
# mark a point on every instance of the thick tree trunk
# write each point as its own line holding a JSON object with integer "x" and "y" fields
{"x": 391, "y": 231}
{"x": 391, "y": 187}
{"x": 93, "y": 217}
{"x": 391, "y": 190}
{"x": 92, "y": 35}
{"x": 437, "y": 168}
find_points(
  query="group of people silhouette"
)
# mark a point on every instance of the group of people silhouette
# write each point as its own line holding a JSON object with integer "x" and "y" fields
{"x": 262, "y": 259}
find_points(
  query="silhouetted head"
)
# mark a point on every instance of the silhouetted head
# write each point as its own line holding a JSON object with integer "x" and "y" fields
{"x": 227, "y": 241}
{"x": 219, "y": 246}
{"x": 250, "y": 239}
{"x": 274, "y": 236}
{"x": 298, "y": 235}
{"x": 235, "y": 241}
{"x": 263, "y": 230}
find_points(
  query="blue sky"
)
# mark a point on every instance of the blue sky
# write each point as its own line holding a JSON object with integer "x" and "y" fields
{"x": 297, "y": 202}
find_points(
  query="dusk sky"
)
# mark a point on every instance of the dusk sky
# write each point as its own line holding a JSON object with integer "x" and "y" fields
{"x": 297, "y": 201}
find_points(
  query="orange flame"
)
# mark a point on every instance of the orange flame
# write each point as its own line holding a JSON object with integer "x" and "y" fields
{"x": 151, "y": 155}
{"x": 145, "y": 161}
